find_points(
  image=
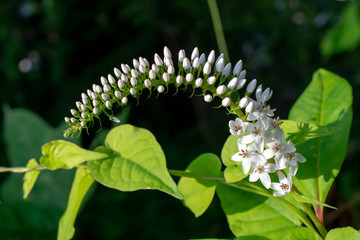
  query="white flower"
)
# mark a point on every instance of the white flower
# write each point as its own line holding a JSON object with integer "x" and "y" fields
{"x": 278, "y": 147}
{"x": 246, "y": 156}
{"x": 291, "y": 160}
{"x": 237, "y": 127}
{"x": 257, "y": 134}
{"x": 284, "y": 187}
{"x": 208, "y": 98}
{"x": 262, "y": 170}
{"x": 226, "y": 102}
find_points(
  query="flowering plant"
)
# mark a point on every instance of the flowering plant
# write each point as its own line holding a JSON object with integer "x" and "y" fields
{"x": 296, "y": 160}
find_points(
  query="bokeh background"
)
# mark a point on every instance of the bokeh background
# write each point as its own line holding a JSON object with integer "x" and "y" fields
{"x": 51, "y": 51}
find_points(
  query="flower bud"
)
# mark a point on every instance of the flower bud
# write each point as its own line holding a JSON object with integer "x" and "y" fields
{"x": 117, "y": 94}
{"x": 195, "y": 53}
{"x": 152, "y": 74}
{"x": 67, "y": 119}
{"x": 186, "y": 63}
{"x": 133, "y": 81}
{"x": 73, "y": 120}
{"x": 124, "y": 100}
{"x": 250, "y": 107}
{"x": 171, "y": 69}
{"x": 111, "y": 79}
{"x": 189, "y": 77}
{"x": 96, "y": 111}
{"x": 83, "y": 107}
{"x": 117, "y": 72}
{"x": 115, "y": 119}
{"x": 121, "y": 84}
{"x": 220, "y": 65}
{"x": 237, "y": 68}
{"x": 108, "y": 104}
{"x": 125, "y": 68}
{"x": 220, "y": 90}
{"x": 196, "y": 63}
{"x": 226, "y": 102}
{"x": 142, "y": 69}
{"x": 147, "y": 83}
{"x": 143, "y": 61}
{"x": 251, "y": 86}
{"x": 241, "y": 83}
{"x": 107, "y": 88}
{"x": 104, "y": 96}
{"x": 207, "y": 68}
{"x": 181, "y": 55}
{"x": 160, "y": 88}
{"x": 202, "y": 59}
{"x": 78, "y": 104}
{"x": 218, "y": 59}
{"x": 158, "y": 60}
{"x": 243, "y": 102}
{"x": 208, "y": 98}
{"x": 233, "y": 83}
{"x": 89, "y": 92}
{"x": 124, "y": 78}
{"x": 103, "y": 80}
{"x": 166, "y": 77}
{"x": 211, "y": 57}
{"x": 136, "y": 63}
{"x": 155, "y": 68}
{"x": 94, "y": 95}
{"x": 73, "y": 112}
{"x": 83, "y": 124}
{"x": 83, "y": 95}
{"x": 226, "y": 71}
{"x": 83, "y": 115}
{"x": 132, "y": 91}
{"x": 134, "y": 73}
{"x": 198, "y": 82}
{"x": 211, "y": 80}
{"x": 179, "y": 79}
{"x": 167, "y": 52}
{"x": 85, "y": 101}
{"x": 168, "y": 61}
{"x": 242, "y": 74}
{"x": 95, "y": 103}
{"x": 98, "y": 89}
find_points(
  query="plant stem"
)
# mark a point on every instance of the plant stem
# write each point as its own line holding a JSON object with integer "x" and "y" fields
{"x": 314, "y": 219}
{"x": 219, "y": 33}
{"x": 21, "y": 169}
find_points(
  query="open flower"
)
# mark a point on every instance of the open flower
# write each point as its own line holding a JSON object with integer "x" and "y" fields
{"x": 256, "y": 133}
{"x": 291, "y": 160}
{"x": 246, "y": 155}
{"x": 262, "y": 170}
{"x": 278, "y": 147}
{"x": 237, "y": 127}
{"x": 284, "y": 186}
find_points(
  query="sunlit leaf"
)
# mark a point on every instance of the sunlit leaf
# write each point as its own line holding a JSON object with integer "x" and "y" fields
{"x": 198, "y": 193}
{"x": 30, "y": 177}
{"x": 343, "y": 233}
{"x": 301, "y": 233}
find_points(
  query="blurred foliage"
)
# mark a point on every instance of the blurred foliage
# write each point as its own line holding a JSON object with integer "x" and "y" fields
{"x": 51, "y": 51}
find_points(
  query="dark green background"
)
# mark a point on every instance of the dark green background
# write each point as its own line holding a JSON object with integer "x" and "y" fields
{"x": 72, "y": 43}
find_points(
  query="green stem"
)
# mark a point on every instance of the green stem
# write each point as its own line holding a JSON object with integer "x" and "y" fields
{"x": 314, "y": 219}
{"x": 219, "y": 33}
{"x": 249, "y": 187}
{"x": 21, "y": 169}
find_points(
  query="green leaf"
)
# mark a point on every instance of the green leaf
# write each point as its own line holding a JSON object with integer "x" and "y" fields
{"x": 345, "y": 35}
{"x": 198, "y": 193}
{"x": 347, "y": 233}
{"x": 234, "y": 173}
{"x": 63, "y": 154}
{"x": 249, "y": 214}
{"x": 30, "y": 177}
{"x": 229, "y": 149}
{"x": 305, "y": 199}
{"x": 301, "y": 233}
{"x": 327, "y": 101}
{"x": 299, "y": 132}
{"x": 82, "y": 182}
{"x": 136, "y": 161}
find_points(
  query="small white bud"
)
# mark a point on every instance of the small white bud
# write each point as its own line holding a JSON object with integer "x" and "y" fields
{"x": 147, "y": 83}
{"x": 73, "y": 120}
{"x": 115, "y": 119}
{"x": 96, "y": 111}
{"x": 142, "y": 68}
{"x": 136, "y": 63}
{"x": 152, "y": 74}
{"x": 73, "y": 112}
{"x": 211, "y": 57}
{"x": 134, "y": 73}
{"x": 211, "y": 80}
{"x": 249, "y": 108}
{"x": 171, "y": 69}
{"x": 220, "y": 57}
{"x": 133, "y": 81}
{"x": 83, "y": 107}
{"x": 241, "y": 83}
{"x": 98, "y": 89}
{"x": 94, "y": 87}
{"x": 108, "y": 104}
{"x": 83, "y": 115}
{"x": 104, "y": 96}
{"x": 107, "y": 88}
{"x": 117, "y": 72}
{"x": 103, "y": 80}
{"x": 186, "y": 63}
{"x": 78, "y": 104}
{"x": 258, "y": 91}
{"x": 242, "y": 74}
{"x": 220, "y": 90}
{"x": 196, "y": 63}
{"x": 251, "y": 86}
{"x": 144, "y": 61}
{"x": 198, "y": 82}
{"x": 166, "y": 77}
{"x": 160, "y": 88}
{"x": 117, "y": 94}
{"x": 94, "y": 95}
{"x": 208, "y": 98}
{"x": 85, "y": 101}
{"x": 168, "y": 61}
{"x": 179, "y": 79}
{"x": 83, "y": 95}
{"x": 207, "y": 68}
{"x": 95, "y": 103}
{"x": 125, "y": 68}
{"x": 124, "y": 78}
{"x": 233, "y": 83}
{"x": 124, "y": 100}
{"x": 226, "y": 102}
{"x": 237, "y": 68}
{"x": 243, "y": 102}
{"x": 67, "y": 119}
{"x": 266, "y": 93}
{"x": 226, "y": 70}
{"x": 111, "y": 79}
{"x": 270, "y": 95}
{"x": 220, "y": 65}
{"x": 189, "y": 77}
{"x": 167, "y": 52}
{"x": 181, "y": 55}
{"x": 158, "y": 60}
{"x": 89, "y": 92}
{"x": 83, "y": 124}
{"x": 132, "y": 91}
{"x": 155, "y": 68}
{"x": 202, "y": 59}
{"x": 121, "y": 84}
{"x": 195, "y": 53}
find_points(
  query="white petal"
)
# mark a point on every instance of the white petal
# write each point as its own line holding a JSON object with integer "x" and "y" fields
{"x": 265, "y": 180}
{"x": 253, "y": 177}
{"x": 293, "y": 167}
{"x": 246, "y": 166}
{"x": 259, "y": 143}
{"x": 270, "y": 168}
{"x": 300, "y": 158}
{"x": 268, "y": 153}
{"x": 248, "y": 138}
{"x": 236, "y": 157}
{"x": 276, "y": 186}
{"x": 279, "y": 194}
{"x": 282, "y": 177}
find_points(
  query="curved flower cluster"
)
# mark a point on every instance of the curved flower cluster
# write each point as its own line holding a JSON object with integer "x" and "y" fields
{"x": 206, "y": 73}
{"x": 262, "y": 146}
